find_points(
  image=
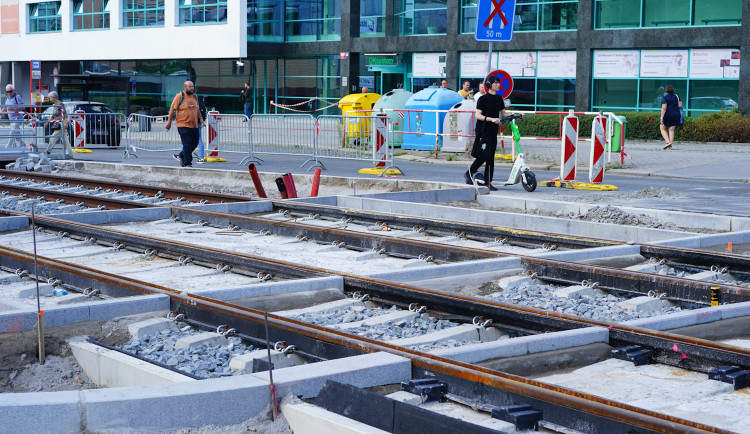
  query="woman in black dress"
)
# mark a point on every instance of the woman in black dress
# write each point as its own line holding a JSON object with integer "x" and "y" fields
{"x": 670, "y": 115}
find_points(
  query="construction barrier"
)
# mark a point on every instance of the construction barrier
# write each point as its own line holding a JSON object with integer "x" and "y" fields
{"x": 214, "y": 137}
{"x": 294, "y": 134}
{"x": 598, "y": 141}
{"x": 568, "y": 151}
{"x": 78, "y": 123}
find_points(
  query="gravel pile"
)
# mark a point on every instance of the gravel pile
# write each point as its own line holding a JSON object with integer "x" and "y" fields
{"x": 341, "y": 316}
{"x": 205, "y": 361}
{"x": 646, "y": 193}
{"x": 602, "y": 307}
{"x": 417, "y": 326}
{"x": 611, "y": 214}
{"x": 22, "y": 204}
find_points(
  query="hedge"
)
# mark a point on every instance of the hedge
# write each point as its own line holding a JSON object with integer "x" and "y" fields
{"x": 729, "y": 127}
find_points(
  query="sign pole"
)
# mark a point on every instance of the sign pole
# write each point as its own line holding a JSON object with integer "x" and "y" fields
{"x": 489, "y": 60}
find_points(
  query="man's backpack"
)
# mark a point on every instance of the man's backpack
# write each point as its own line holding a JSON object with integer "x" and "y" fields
{"x": 201, "y": 105}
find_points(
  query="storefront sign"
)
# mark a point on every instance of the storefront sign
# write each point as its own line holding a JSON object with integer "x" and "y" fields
{"x": 475, "y": 64}
{"x": 616, "y": 63}
{"x": 664, "y": 63}
{"x": 8, "y": 17}
{"x": 518, "y": 63}
{"x": 714, "y": 63}
{"x": 428, "y": 65}
{"x": 557, "y": 64}
{"x": 386, "y": 60}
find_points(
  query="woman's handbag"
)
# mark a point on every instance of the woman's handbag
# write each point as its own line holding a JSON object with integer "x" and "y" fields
{"x": 682, "y": 114}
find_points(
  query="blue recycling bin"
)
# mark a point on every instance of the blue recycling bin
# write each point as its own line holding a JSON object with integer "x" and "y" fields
{"x": 427, "y": 123}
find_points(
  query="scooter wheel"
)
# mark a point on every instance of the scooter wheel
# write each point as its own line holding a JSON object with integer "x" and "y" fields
{"x": 528, "y": 180}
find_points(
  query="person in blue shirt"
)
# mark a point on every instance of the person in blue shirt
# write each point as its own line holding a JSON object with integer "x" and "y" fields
{"x": 14, "y": 114}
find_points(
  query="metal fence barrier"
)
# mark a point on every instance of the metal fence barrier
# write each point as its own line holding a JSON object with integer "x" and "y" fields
{"x": 284, "y": 134}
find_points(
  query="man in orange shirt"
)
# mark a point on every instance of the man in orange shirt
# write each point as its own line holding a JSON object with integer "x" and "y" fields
{"x": 185, "y": 110}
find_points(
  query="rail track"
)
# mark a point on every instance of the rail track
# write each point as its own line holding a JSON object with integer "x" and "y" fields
{"x": 561, "y": 405}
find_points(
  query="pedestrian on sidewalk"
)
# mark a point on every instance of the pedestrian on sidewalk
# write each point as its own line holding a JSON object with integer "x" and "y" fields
{"x": 670, "y": 115}
{"x": 58, "y": 123}
{"x": 246, "y": 97}
{"x": 15, "y": 114}
{"x": 185, "y": 109}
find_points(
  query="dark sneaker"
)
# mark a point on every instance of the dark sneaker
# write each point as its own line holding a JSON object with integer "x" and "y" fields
{"x": 188, "y": 165}
{"x": 467, "y": 178}
{"x": 178, "y": 157}
{"x": 493, "y": 188}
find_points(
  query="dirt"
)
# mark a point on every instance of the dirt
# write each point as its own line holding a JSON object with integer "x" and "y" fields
{"x": 20, "y": 370}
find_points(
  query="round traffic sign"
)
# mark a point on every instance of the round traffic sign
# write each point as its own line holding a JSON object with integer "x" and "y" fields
{"x": 506, "y": 82}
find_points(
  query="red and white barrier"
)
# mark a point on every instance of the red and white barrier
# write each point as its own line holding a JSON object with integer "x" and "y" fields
{"x": 213, "y": 133}
{"x": 598, "y": 141}
{"x": 79, "y": 129}
{"x": 568, "y": 153}
{"x": 380, "y": 151}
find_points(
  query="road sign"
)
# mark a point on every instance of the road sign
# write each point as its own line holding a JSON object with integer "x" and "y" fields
{"x": 506, "y": 82}
{"x": 495, "y": 20}
{"x": 36, "y": 65}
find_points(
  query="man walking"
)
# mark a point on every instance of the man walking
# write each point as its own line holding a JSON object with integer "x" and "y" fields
{"x": 185, "y": 110}
{"x": 58, "y": 122}
{"x": 246, "y": 97}
{"x": 14, "y": 114}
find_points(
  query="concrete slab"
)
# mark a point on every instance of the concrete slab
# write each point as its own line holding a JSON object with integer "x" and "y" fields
{"x": 645, "y": 304}
{"x": 448, "y": 270}
{"x": 244, "y": 362}
{"x": 304, "y": 418}
{"x": 576, "y": 291}
{"x": 505, "y": 348}
{"x": 323, "y": 307}
{"x": 139, "y": 330}
{"x": 380, "y": 319}
{"x": 405, "y": 397}
{"x": 30, "y": 291}
{"x": 8, "y": 224}
{"x": 117, "y": 216}
{"x": 168, "y": 407}
{"x": 32, "y": 413}
{"x": 108, "y": 368}
{"x": 273, "y": 288}
{"x": 196, "y": 340}
{"x": 367, "y": 370}
{"x": 462, "y": 332}
{"x": 108, "y": 309}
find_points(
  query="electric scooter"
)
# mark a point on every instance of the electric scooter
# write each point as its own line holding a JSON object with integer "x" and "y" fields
{"x": 520, "y": 171}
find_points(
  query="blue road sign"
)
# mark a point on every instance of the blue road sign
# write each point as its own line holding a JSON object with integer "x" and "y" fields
{"x": 495, "y": 20}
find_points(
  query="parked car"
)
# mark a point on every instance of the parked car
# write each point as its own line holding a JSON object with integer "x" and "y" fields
{"x": 102, "y": 124}
{"x": 712, "y": 103}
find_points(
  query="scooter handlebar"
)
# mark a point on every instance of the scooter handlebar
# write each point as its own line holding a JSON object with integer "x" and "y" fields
{"x": 507, "y": 119}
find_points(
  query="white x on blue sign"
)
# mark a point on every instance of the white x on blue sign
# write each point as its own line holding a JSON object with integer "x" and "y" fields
{"x": 495, "y": 20}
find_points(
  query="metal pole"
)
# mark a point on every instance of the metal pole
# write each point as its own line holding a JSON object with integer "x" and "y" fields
{"x": 489, "y": 61}
{"x": 40, "y": 313}
{"x": 272, "y": 389}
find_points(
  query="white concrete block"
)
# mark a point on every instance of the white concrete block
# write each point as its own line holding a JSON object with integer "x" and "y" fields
{"x": 206, "y": 338}
{"x": 644, "y": 304}
{"x": 151, "y": 326}
{"x": 304, "y": 418}
{"x": 244, "y": 362}
{"x": 30, "y": 292}
{"x": 323, "y": 307}
{"x": 108, "y": 368}
{"x": 464, "y": 331}
{"x": 405, "y": 397}
{"x": 380, "y": 319}
{"x": 576, "y": 291}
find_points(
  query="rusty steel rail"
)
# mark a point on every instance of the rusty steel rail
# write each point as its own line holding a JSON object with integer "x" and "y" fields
{"x": 148, "y": 190}
{"x": 610, "y": 414}
{"x": 699, "y": 259}
{"x": 472, "y": 231}
{"x": 700, "y": 355}
{"x": 72, "y": 198}
{"x": 636, "y": 282}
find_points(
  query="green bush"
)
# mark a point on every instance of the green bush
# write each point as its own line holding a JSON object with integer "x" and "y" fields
{"x": 144, "y": 101}
{"x": 730, "y": 127}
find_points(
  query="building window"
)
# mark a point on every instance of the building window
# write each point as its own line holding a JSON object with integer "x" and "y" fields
{"x": 203, "y": 11}
{"x": 613, "y": 14}
{"x": 531, "y": 15}
{"x": 90, "y": 14}
{"x": 294, "y": 20}
{"x": 371, "y": 18}
{"x": 45, "y": 17}
{"x": 421, "y": 17}
{"x": 143, "y": 13}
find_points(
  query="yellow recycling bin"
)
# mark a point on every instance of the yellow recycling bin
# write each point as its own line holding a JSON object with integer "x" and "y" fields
{"x": 355, "y": 108}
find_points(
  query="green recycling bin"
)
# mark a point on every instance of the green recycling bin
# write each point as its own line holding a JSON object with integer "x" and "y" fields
{"x": 618, "y": 133}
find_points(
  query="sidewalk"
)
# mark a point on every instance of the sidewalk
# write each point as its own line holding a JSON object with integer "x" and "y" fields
{"x": 687, "y": 160}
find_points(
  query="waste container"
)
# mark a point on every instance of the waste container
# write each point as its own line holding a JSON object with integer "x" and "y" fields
{"x": 144, "y": 122}
{"x": 354, "y": 107}
{"x": 394, "y": 100}
{"x": 459, "y": 125}
{"x": 425, "y": 122}
{"x": 618, "y": 133}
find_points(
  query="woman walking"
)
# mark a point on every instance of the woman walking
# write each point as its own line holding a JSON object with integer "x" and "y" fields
{"x": 670, "y": 115}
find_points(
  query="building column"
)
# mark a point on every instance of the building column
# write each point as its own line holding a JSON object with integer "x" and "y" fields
{"x": 743, "y": 96}
{"x": 452, "y": 57}
{"x": 585, "y": 35}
